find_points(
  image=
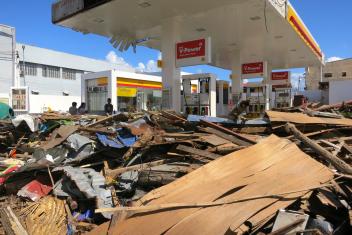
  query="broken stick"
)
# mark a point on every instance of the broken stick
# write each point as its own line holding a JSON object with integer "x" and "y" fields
{"x": 118, "y": 171}
{"x": 323, "y": 153}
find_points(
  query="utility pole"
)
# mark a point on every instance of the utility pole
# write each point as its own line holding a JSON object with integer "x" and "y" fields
{"x": 24, "y": 66}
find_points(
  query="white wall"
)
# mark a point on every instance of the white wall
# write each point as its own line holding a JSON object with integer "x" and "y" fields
{"x": 39, "y": 103}
{"x": 340, "y": 91}
{"x": 313, "y": 95}
{"x": 7, "y": 35}
{"x": 39, "y": 55}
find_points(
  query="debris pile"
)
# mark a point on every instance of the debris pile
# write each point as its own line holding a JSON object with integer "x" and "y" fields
{"x": 162, "y": 173}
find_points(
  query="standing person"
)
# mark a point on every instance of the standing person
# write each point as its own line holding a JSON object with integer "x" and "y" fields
{"x": 73, "y": 109}
{"x": 82, "y": 108}
{"x": 108, "y": 108}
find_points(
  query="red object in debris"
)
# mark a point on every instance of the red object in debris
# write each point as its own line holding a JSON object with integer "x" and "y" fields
{"x": 34, "y": 190}
{"x": 190, "y": 49}
{"x": 8, "y": 170}
{"x": 13, "y": 153}
{"x": 253, "y": 68}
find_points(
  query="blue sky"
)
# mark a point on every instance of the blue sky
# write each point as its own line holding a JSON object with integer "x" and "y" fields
{"x": 327, "y": 20}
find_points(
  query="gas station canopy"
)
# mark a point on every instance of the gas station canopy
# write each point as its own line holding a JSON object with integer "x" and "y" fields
{"x": 255, "y": 30}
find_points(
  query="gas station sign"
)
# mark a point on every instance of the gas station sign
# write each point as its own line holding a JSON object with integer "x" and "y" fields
{"x": 280, "y": 79}
{"x": 275, "y": 76}
{"x": 253, "y": 68}
{"x": 193, "y": 52}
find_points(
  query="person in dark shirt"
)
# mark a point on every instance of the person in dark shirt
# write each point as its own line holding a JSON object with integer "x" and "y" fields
{"x": 108, "y": 108}
{"x": 82, "y": 108}
{"x": 73, "y": 109}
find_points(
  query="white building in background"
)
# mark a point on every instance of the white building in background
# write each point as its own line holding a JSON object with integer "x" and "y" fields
{"x": 7, "y": 61}
{"x": 53, "y": 78}
{"x": 335, "y": 84}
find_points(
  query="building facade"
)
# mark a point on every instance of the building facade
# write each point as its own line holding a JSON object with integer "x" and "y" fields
{"x": 51, "y": 78}
{"x": 332, "y": 71}
{"x": 335, "y": 84}
{"x": 7, "y": 61}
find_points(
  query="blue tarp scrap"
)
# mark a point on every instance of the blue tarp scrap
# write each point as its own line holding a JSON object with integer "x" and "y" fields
{"x": 124, "y": 139}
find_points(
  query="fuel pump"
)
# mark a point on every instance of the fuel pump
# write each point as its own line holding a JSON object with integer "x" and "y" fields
{"x": 202, "y": 99}
{"x": 283, "y": 97}
{"x": 255, "y": 94}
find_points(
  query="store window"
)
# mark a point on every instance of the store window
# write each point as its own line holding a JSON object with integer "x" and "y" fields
{"x": 51, "y": 71}
{"x": 327, "y": 75}
{"x": 69, "y": 74}
{"x": 217, "y": 93}
{"x": 225, "y": 95}
{"x": 30, "y": 69}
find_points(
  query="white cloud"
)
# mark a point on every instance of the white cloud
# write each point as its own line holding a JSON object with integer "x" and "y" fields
{"x": 333, "y": 58}
{"x": 140, "y": 67}
{"x": 150, "y": 67}
{"x": 113, "y": 58}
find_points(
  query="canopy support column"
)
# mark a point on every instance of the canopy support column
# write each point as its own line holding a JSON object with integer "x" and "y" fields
{"x": 170, "y": 74}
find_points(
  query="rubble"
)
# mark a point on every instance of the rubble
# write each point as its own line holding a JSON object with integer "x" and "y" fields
{"x": 162, "y": 173}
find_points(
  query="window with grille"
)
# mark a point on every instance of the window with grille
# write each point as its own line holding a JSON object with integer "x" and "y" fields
{"x": 29, "y": 69}
{"x": 51, "y": 71}
{"x": 69, "y": 74}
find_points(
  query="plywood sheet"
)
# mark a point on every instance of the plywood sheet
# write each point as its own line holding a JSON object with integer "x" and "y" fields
{"x": 273, "y": 166}
{"x": 301, "y": 118}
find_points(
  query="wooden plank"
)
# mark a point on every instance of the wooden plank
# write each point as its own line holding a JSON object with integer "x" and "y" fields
{"x": 322, "y": 153}
{"x": 227, "y": 131}
{"x": 199, "y": 152}
{"x": 11, "y": 223}
{"x": 225, "y": 136}
{"x": 114, "y": 173}
{"x": 301, "y": 118}
{"x": 109, "y": 118}
{"x": 97, "y": 130}
{"x": 173, "y": 206}
{"x": 214, "y": 140}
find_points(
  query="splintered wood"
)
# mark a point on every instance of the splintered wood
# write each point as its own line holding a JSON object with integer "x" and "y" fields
{"x": 47, "y": 216}
{"x": 254, "y": 182}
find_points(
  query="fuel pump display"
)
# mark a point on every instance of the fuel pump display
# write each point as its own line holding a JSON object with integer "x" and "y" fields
{"x": 283, "y": 97}
{"x": 255, "y": 94}
{"x": 199, "y": 94}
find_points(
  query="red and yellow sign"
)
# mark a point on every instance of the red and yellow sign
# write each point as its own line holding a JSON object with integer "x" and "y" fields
{"x": 126, "y": 92}
{"x": 128, "y": 82}
{"x": 302, "y": 30}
